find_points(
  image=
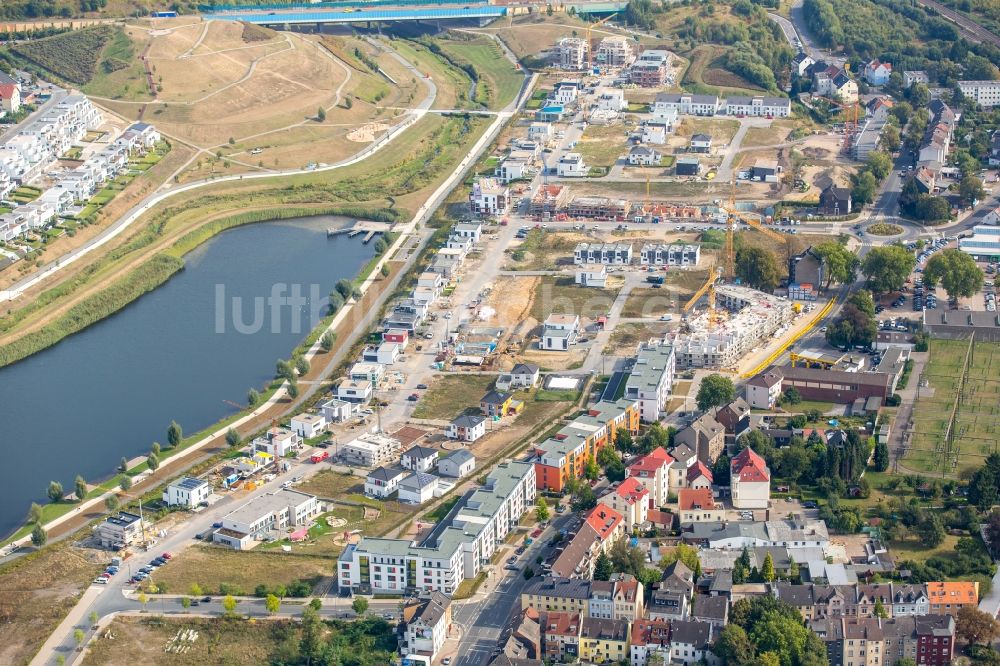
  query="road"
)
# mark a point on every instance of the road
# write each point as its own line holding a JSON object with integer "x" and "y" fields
{"x": 169, "y": 190}
{"x": 111, "y": 598}
{"x": 58, "y": 95}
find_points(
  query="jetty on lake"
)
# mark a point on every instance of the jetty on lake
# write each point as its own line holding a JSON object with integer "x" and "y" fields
{"x": 366, "y": 227}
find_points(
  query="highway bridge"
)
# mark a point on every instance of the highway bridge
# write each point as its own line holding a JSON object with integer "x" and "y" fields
{"x": 280, "y": 18}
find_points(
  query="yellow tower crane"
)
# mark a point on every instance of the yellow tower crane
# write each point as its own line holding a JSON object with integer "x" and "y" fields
{"x": 590, "y": 46}
{"x": 707, "y": 288}
{"x": 729, "y": 258}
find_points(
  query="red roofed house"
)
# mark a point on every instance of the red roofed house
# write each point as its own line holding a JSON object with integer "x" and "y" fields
{"x": 653, "y": 472}
{"x": 698, "y": 506}
{"x": 877, "y": 73}
{"x": 10, "y": 93}
{"x": 649, "y": 637}
{"x": 628, "y": 599}
{"x": 631, "y": 499}
{"x": 698, "y": 476}
{"x": 750, "y": 481}
{"x": 602, "y": 527}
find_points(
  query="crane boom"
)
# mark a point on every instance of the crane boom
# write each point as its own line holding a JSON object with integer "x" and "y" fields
{"x": 707, "y": 287}
{"x": 590, "y": 46}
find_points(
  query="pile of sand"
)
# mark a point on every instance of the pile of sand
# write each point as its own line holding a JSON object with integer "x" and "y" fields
{"x": 367, "y": 132}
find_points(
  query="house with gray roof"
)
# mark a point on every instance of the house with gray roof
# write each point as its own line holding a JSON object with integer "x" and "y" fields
{"x": 457, "y": 464}
{"x": 418, "y": 488}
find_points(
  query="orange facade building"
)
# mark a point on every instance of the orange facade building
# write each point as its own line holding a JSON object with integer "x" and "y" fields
{"x": 565, "y": 454}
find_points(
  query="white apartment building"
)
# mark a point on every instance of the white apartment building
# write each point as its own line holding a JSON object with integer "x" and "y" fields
{"x": 370, "y": 450}
{"x": 617, "y": 254}
{"x": 650, "y": 382}
{"x": 687, "y": 104}
{"x": 594, "y": 277}
{"x": 268, "y": 513}
{"x": 984, "y": 93}
{"x": 772, "y": 107}
{"x": 662, "y": 254}
{"x": 572, "y": 52}
{"x": 571, "y": 165}
{"x": 458, "y": 547}
{"x": 279, "y": 442}
{"x": 187, "y": 492}
{"x": 559, "y": 332}
{"x": 489, "y": 197}
{"x": 615, "y": 51}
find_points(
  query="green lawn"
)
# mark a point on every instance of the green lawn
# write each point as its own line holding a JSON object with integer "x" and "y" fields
{"x": 450, "y": 395}
{"x": 561, "y": 295}
{"x": 498, "y": 82}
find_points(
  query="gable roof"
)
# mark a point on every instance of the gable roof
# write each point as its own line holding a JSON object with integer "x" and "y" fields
{"x": 421, "y": 452}
{"x": 747, "y": 466}
{"x": 524, "y": 369}
{"x": 701, "y": 137}
{"x": 697, "y": 470}
{"x": 495, "y": 397}
{"x": 387, "y": 473}
{"x": 460, "y": 456}
{"x": 695, "y": 498}
{"x": 603, "y": 519}
{"x": 631, "y": 490}
{"x": 419, "y": 480}
{"x": 468, "y": 420}
{"x": 651, "y": 462}
{"x": 765, "y": 379}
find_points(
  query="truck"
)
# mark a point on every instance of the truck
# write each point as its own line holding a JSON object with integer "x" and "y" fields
{"x": 319, "y": 456}
{"x": 654, "y": 279}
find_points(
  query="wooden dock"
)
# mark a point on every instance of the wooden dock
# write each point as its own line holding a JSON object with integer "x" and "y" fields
{"x": 369, "y": 229}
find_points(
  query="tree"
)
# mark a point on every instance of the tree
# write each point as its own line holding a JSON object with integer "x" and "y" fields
{"x": 78, "y": 636}
{"x": 863, "y": 301}
{"x": 879, "y": 610}
{"x": 863, "y": 191}
{"x": 767, "y": 569}
{"x": 195, "y": 590}
{"x": 715, "y": 391}
{"x": 321, "y": 114}
{"x": 741, "y": 568}
{"x": 541, "y": 509}
{"x": 970, "y": 190}
{"x": 733, "y": 646}
{"x": 55, "y": 491}
{"x": 93, "y": 617}
{"x": 603, "y": 567}
{"x": 123, "y": 465}
{"x": 326, "y": 342}
{"x": 142, "y": 599}
{"x": 301, "y": 365}
{"x": 930, "y": 529}
{"x": 384, "y": 271}
{"x": 293, "y": 389}
{"x": 590, "y": 469}
{"x": 624, "y": 441}
{"x": 155, "y": 449}
{"x": 583, "y": 498}
{"x": 35, "y": 513}
{"x": 253, "y": 397}
{"x": 185, "y": 602}
{"x": 153, "y": 462}
{"x": 975, "y": 626}
{"x": 272, "y": 603}
{"x": 841, "y": 263}
{"x": 758, "y": 267}
{"x": 229, "y": 604}
{"x": 956, "y": 271}
{"x": 336, "y": 300}
{"x": 311, "y": 643}
{"x": 886, "y": 268}
{"x": 880, "y": 461}
{"x": 316, "y": 604}
{"x": 232, "y": 438}
{"x": 284, "y": 370}
{"x": 891, "y": 138}
{"x": 38, "y": 536}
{"x": 174, "y": 434}
{"x": 359, "y": 605}
{"x": 348, "y": 102}
{"x": 792, "y": 396}
{"x": 879, "y": 164}
{"x": 125, "y": 482}
{"x": 344, "y": 287}
{"x": 111, "y": 503}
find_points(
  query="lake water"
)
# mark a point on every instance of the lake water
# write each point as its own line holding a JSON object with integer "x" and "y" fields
{"x": 177, "y": 353}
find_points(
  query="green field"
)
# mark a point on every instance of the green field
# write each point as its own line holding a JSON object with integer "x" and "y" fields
{"x": 71, "y": 56}
{"x": 977, "y": 420}
{"x": 498, "y": 81}
{"x": 119, "y": 74}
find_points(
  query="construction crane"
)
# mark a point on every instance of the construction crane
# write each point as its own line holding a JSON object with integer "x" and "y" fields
{"x": 707, "y": 288}
{"x": 851, "y": 114}
{"x": 729, "y": 257}
{"x": 590, "y": 47}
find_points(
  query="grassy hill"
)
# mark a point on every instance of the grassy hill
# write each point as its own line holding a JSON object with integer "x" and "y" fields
{"x": 71, "y": 57}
